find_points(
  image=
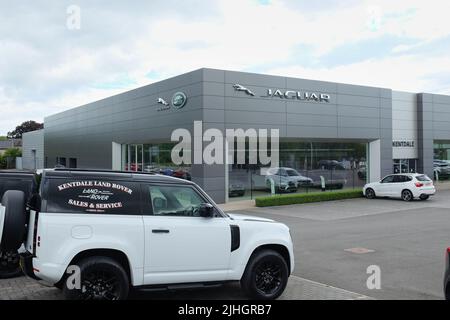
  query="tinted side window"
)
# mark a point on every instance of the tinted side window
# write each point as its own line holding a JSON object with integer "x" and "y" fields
{"x": 388, "y": 179}
{"x": 92, "y": 196}
{"x": 16, "y": 184}
{"x": 401, "y": 179}
{"x": 166, "y": 200}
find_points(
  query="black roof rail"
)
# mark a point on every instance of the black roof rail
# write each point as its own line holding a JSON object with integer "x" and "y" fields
{"x": 101, "y": 170}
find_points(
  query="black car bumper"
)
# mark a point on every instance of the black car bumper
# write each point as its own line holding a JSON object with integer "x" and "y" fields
{"x": 26, "y": 264}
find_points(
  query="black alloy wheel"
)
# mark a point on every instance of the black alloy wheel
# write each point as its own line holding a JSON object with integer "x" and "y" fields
{"x": 268, "y": 276}
{"x": 370, "y": 194}
{"x": 100, "y": 285}
{"x": 102, "y": 278}
{"x": 265, "y": 276}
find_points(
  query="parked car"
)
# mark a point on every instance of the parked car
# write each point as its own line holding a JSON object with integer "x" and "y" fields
{"x": 447, "y": 275}
{"x": 407, "y": 186}
{"x": 122, "y": 231}
{"x": 167, "y": 171}
{"x": 332, "y": 171}
{"x": 330, "y": 165}
{"x": 236, "y": 189}
{"x": 362, "y": 173}
{"x": 287, "y": 179}
{"x": 441, "y": 169}
{"x": 182, "y": 174}
{"x": 24, "y": 181}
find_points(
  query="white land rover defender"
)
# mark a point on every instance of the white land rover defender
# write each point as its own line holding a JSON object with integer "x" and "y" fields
{"x": 119, "y": 230}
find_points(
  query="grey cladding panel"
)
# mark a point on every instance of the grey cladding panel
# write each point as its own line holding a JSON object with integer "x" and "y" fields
{"x": 358, "y": 90}
{"x": 358, "y": 111}
{"x": 255, "y": 117}
{"x": 358, "y": 122}
{"x": 256, "y": 105}
{"x": 213, "y": 75}
{"x": 311, "y": 108}
{"x": 358, "y": 101}
{"x": 312, "y": 120}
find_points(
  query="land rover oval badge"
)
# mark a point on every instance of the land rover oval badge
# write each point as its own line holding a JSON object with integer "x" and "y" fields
{"x": 179, "y": 100}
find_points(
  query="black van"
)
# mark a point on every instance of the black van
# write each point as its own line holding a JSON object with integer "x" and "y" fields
{"x": 25, "y": 181}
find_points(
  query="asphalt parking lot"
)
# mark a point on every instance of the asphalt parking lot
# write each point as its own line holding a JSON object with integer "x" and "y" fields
{"x": 406, "y": 240}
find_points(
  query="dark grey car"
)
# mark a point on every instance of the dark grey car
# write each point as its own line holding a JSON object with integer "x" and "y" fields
{"x": 25, "y": 181}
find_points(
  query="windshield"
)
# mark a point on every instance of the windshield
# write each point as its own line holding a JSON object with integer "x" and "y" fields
{"x": 292, "y": 173}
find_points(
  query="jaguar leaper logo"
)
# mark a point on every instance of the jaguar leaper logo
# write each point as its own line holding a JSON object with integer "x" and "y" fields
{"x": 179, "y": 100}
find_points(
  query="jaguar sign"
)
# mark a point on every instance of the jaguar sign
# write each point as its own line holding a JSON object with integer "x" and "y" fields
{"x": 286, "y": 94}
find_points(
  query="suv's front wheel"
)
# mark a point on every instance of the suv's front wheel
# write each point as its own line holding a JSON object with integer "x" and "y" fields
{"x": 265, "y": 276}
{"x": 102, "y": 278}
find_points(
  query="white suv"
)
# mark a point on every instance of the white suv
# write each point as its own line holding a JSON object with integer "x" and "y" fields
{"x": 406, "y": 186}
{"x": 121, "y": 230}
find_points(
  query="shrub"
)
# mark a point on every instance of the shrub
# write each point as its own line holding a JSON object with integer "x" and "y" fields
{"x": 280, "y": 200}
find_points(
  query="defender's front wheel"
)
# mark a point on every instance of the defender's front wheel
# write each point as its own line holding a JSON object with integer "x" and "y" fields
{"x": 102, "y": 278}
{"x": 265, "y": 276}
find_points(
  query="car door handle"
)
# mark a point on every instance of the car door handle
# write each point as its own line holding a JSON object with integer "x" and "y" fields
{"x": 160, "y": 231}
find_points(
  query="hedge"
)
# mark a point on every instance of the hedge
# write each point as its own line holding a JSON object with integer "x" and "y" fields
{"x": 286, "y": 199}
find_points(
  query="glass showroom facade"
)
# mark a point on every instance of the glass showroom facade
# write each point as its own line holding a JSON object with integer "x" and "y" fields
{"x": 304, "y": 166}
{"x": 442, "y": 150}
{"x": 332, "y": 135}
{"x": 152, "y": 158}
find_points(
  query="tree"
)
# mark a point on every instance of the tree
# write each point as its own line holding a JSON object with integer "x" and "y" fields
{"x": 27, "y": 126}
{"x": 9, "y": 156}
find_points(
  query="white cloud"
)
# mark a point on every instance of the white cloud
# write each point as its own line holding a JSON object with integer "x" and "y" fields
{"x": 405, "y": 73}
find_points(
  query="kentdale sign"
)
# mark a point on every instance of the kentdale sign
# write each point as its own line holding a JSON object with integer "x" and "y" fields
{"x": 403, "y": 144}
{"x": 287, "y": 94}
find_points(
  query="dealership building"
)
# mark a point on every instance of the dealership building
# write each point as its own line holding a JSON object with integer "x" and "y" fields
{"x": 368, "y": 131}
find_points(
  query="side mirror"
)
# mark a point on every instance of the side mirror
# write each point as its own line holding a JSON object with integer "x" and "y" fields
{"x": 206, "y": 210}
{"x": 34, "y": 203}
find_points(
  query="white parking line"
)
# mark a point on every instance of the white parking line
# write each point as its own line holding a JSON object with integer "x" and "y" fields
{"x": 304, "y": 289}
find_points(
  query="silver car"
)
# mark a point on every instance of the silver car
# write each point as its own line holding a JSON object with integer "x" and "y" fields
{"x": 287, "y": 179}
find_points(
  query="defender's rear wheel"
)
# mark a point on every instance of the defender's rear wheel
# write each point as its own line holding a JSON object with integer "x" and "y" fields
{"x": 14, "y": 220}
{"x": 265, "y": 276}
{"x": 424, "y": 197}
{"x": 102, "y": 278}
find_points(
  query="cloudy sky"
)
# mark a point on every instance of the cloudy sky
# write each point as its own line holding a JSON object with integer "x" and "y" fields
{"x": 48, "y": 65}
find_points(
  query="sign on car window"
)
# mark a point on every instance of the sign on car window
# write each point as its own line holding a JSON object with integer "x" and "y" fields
{"x": 93, "y": 196}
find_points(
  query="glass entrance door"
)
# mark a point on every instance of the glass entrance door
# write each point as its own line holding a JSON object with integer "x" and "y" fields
{"x": 405, "y": 165}
{"x": 134, "y": 157}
